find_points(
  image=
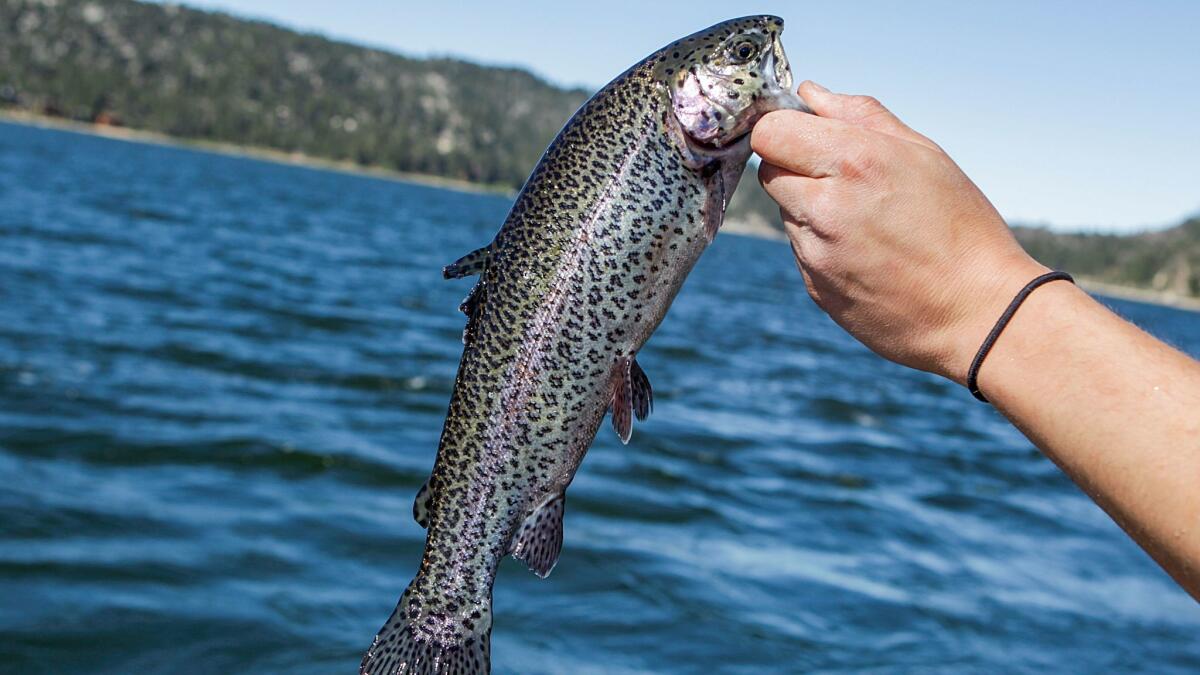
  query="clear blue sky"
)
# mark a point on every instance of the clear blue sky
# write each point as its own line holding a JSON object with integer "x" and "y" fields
{"x": 1074, "y": 114}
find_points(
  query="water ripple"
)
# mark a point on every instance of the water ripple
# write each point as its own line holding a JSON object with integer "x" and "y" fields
{"x": 222, "y": 382}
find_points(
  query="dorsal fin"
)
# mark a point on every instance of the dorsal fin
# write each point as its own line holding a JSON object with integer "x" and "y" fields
{"x": 421, "y": 504}
{"x": 471, "y": 306}
{"x": 539, "y": 539}
{"x": 473, "y": 263}
{"x": 470, "y": 264}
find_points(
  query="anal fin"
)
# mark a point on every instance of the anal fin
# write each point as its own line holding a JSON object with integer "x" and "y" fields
{"x": 632, "y": 396}
{"x": 539, "y": 539}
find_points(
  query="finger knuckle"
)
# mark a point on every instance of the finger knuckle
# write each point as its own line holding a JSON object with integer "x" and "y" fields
{"x": 814, "y": 293}
{"x": 820, "y": 294}
{"x": 821, "y": 201}
{"x": 817, "y": 257}
{"x": 867, "y": 103}
{"x": 806, "y": 275}
{"x": 767, "y": 172}
{"x": 863, "y": 165}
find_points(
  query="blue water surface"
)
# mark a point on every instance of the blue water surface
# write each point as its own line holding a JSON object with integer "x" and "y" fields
{"x": 222, "y": 382}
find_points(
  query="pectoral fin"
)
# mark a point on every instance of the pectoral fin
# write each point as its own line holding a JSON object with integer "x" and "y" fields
{"x": 717, "y": 199}
{"x": 539, "y": 539}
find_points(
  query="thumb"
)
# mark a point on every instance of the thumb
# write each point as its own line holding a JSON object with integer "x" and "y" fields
{"x": 863, "y": 111}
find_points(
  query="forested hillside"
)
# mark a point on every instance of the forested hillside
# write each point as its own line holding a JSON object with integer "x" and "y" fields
{"x": 1165, "y": 260}
{"x": 210, "y": 76}
{"x": 213, "y": 77}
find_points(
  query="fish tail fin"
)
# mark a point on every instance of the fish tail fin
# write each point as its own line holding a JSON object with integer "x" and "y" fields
{"x": 419, "y": 639}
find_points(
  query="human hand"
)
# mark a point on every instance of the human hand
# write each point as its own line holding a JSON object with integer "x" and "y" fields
{"x": 893, "y": 240}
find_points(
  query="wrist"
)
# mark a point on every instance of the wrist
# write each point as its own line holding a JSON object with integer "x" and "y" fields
{"x": 1049, "y": 321}
{"x": 983, "y": 299}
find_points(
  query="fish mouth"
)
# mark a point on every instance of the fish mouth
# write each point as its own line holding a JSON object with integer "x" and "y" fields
{"x": 778, "y": 76}
{"x": 779, "y": 95}
{"x": 718, "y": 127}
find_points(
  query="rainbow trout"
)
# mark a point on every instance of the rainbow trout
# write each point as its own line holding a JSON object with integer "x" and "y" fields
{"x": 597, "y": 244}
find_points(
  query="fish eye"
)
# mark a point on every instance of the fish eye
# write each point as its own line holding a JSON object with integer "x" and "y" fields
{"x": 743, "y": 50}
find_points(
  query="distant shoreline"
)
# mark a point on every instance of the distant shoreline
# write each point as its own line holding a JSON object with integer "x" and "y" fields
{"x": 1144, "y": 295}
{"x": 27, "y": 118}
{"x": 756, "y": 230}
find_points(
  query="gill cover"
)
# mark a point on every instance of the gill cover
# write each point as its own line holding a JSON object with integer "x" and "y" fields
{"x": 724, "y": 78}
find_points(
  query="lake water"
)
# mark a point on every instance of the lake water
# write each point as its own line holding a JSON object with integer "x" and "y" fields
{"x": 222, "y": 382}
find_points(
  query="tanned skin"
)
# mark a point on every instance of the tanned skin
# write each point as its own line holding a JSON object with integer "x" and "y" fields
{"x": 902, "y": 250}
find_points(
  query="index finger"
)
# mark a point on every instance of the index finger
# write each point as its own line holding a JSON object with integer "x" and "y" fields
{"x": 811, "y": 146}
{"x": 864, "y": 111}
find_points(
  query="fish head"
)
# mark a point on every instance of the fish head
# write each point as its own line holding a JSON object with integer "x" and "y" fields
{"x": 725, "y": 78}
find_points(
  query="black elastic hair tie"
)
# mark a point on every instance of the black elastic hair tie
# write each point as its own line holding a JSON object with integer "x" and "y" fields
{"x": 990, "y": 340}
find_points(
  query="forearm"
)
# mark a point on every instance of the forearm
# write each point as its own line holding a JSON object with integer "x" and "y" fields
{"x": 904, "y": 252}
{"x": 1118, "y": 410}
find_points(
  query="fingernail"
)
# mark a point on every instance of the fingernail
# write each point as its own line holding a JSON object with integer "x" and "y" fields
{"x": 818, "y": 87}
